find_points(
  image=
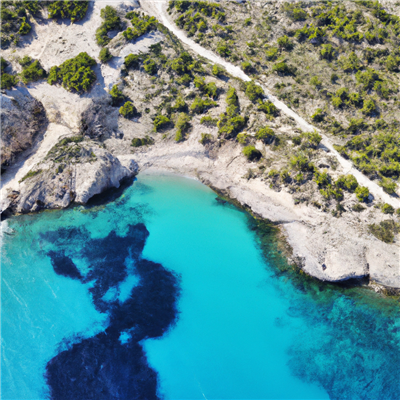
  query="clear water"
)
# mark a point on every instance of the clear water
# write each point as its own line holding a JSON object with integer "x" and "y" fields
{"x": 244, "y": 330}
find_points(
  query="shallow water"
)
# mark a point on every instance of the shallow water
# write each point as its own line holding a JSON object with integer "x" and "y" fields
{"x": 223, "y": 323}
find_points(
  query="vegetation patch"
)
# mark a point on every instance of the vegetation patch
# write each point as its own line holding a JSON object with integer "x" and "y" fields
{"x": 138, "y": 142}
{"x": 74, "y": 74}
{"x": 385, "y": 230}
{"x": 111, "y": 22}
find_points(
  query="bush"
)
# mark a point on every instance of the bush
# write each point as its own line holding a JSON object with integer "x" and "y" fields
{"x": 272, "y": 53}
{"x": 362, "y": 193}
{"x": 105, "y": 55}
{"x": 253, "y": 91}
{"x": 388, "y": 185}
{"x": 327, "y": 52}
{"x": 387, "y": 209}
{"x": 33, "y": 72}
{"x": 183, "y": 125}
{"x": 216, "y": 70}
{"x": 318, "y": 116}
{"x": 251, "y": 153}
{"x": 132, "y": 61}
{"x": 311, "y": 139}
{"x": 74, "y": 74}
{"x": 150, "y": 66}
{"x": 268, "y": 108}
{"x": 137, "y": 142}
{"x": 111, "y": 22}
{"x": 223, "y": 49}
{"x": 384, "y": 231}
{"x": 75, "y": 10}
{"x": 322, "y": 178}
{"x": 25, "y": 28}
{"x": 296, "y": 140}
{"x": 347, "y": 182}
{"x": 3, "y": 64}
{"x": 369, "y": 107}
{"x": 116, "y": 96}
{"x": 141, "y": 24}
{"x": 285, "y": 43}
{"x": 246, "y": 66}
{"x": 300, "y": 163}
{"x": 315, "y": 81}
{"x": 200, "y": 105}
{"x": 282, "y": 68}
{"x": 208, "y": 121}
{"x": 205, "y": 138}
{"x": 160, "y": 122}
{"x": 266, "y": 135}
{"x": 128, "y": 110}
{"x": 8, "y": 81}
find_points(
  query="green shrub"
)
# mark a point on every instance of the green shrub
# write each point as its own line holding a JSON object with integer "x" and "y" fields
{"x": 311, "y": 139}
{"x": 300, "y": 163}
{"x": 200, "y": 105}
{"x": 315, "y": 81}
{"x": 268, "y": 108}
{"x": 111, "y": 21}
{"x": 369, "y": 107}
{"x": 8, "y": 81}
{"x": 137, "y": 142}
{"x": 246, "y": 66}
{"x": 273, "y": 173}
{"x": 272, "y": 53}
{"x": 141, "y": 24}
{"x": 387, "y": 209}
{"x": 74, "y": 74}
{"x": 327, "y": 52}
{"x": 265, "y": 134}
{"x": 251, "y": 153}
{"x": 358, "y": 207}
{"x": 223, "y": 49}
{"x": 283, "y": 69}
{"x": 75, "y": 10}
{"x": 32, "y": 72}
{"x": 208, "y": 121}
{"x": 392, "y": 63}
{"x": 296, "y": 140}
{"x": 105, "y": 55}
{"x": 367, "y": 78}
{"x": 30, "y": 174}
{"x": 132, "y": 61}
{"x": 347, "y": 182}
{"x": 254, "y": 91}
{"x": 388, "y": 185}
{"x": 285, "y": 43}
{"x": 242, "y": 138}
{"x": 322, "y": 178}
{"x": 385, "y": 230}
{"x": 128, "y": 110}
{"x": 217, "y": 70}
{"x": 210, "y": 89}
{"x": 116, "y": 96}
{"x": 205, "y": 138}
{"x": 182, "y": 125}
{"x": 160, "y": 122}
{"x": 25, "y": 28}
{"x": 3, "y": 64}
{"x": 362, "y": 193}
{"x": 25, "y": 61}
{"x": 183, "y": 64}
{"x": 150, "y": 66}
{"x": 318, "y": 116}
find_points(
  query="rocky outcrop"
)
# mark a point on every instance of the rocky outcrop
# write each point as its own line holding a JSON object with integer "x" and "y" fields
{"x": 57, "y": 185}
{"x": 22, "y": 118}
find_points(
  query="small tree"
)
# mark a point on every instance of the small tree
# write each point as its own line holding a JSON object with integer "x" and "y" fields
{"x": 362, "y": 193}
{"x": 160, "y": 121}
{"x": 105, "y": 55}
{"x": 266, "y": 135}
{"x": 251, "y": 153}
{"x": 128, "y": 110}
{"x": 116, "y": 96}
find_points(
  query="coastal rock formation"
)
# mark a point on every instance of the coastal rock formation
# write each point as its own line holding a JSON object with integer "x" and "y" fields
{"x": 22, "y": 118}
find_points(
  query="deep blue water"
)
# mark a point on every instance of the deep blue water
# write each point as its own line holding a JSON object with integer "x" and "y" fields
{"x": 167, "y": 293}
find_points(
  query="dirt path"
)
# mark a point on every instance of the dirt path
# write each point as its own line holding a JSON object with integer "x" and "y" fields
{"x": 158, "y": 8}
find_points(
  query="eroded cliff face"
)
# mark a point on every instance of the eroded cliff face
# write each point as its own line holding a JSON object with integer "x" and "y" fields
{"x": 22, "y": 119}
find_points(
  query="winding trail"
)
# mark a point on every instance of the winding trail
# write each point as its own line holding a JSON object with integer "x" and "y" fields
{"x": 158, "y": 8}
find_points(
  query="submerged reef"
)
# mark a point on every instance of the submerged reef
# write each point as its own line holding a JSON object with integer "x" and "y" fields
{"x": 112, "y": 364}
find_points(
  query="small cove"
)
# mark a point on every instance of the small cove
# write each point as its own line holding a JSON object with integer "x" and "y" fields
{"x": 243, "y": 328}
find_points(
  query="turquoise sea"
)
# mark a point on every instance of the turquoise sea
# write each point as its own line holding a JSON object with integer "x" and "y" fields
{"x": 164, "y": 292}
